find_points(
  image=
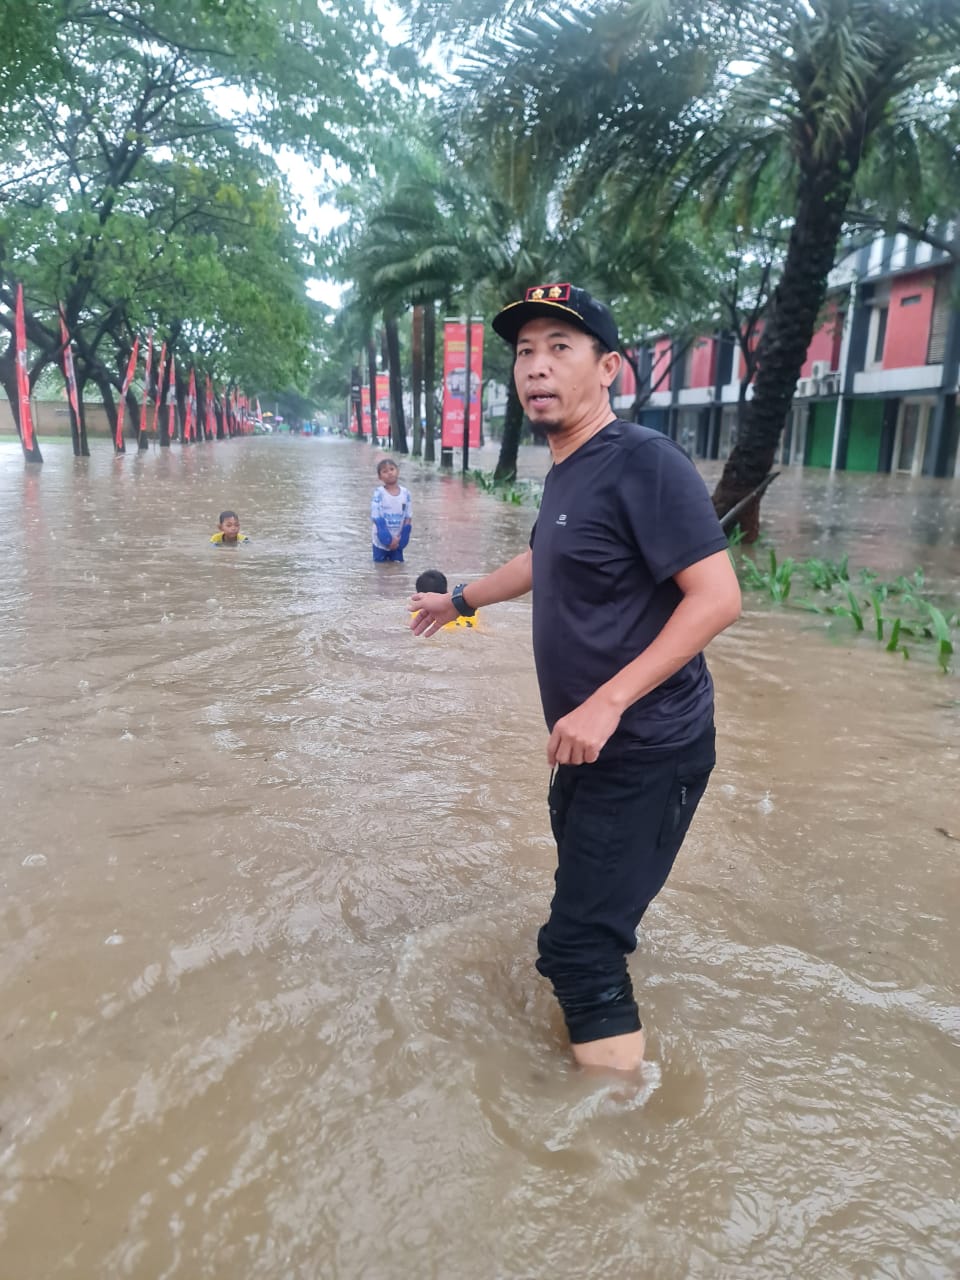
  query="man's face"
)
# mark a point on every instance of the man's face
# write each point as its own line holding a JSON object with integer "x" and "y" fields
{"x": 560, "y": 378}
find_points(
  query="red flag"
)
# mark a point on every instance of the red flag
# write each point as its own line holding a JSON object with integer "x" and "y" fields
{"x": 159, "y": 396}
{"x": 128, "y": 378}
{"x": 69, "y": 372}
{"x": 172, "y": 401}
{"x": 190, "y": 408}
{"x": 23, "y": 378}
{"x": 211, "y": 417}
{"x": 146, "y": 386}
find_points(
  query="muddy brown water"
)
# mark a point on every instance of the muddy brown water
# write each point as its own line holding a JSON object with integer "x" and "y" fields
{"x": 271, "y": 872}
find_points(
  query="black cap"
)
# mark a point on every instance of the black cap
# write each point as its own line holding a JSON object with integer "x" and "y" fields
{"x": 564, "y": 301}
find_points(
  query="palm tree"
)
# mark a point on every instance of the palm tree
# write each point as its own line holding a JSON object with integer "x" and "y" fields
{"x": 703, "y": 102}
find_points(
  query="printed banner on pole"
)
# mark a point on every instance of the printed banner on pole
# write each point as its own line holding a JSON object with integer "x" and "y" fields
{"x": 23, "y": 377}
{"x": 211, "y": 416}
{"x": 69, "y": 373}
{"x": 364, "y": 412}
{"x": 158, "y": 397}
{"x": 455, "y": 383}
{"x": 146, "y": 386}
{"x": 128, "y": 378}
{"x": 383, "y": 406}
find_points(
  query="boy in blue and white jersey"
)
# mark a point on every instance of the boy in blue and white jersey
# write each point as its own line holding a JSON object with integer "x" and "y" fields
{"x": 391, "y": 514}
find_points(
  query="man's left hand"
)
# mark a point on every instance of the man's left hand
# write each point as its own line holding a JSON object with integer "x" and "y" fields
{"x": 578, "y": 738}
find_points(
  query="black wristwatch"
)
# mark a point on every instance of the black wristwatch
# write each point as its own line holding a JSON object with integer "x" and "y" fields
{"x": 458, "y": 602}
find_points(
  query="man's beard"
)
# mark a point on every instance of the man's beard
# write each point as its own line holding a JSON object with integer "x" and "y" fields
{"x": 545, "y": 428}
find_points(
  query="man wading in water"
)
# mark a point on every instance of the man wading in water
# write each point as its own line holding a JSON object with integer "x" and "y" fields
{"x": 631, "y": 580}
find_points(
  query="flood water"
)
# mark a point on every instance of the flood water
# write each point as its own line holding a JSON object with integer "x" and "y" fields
{"x": 272, "y": 870}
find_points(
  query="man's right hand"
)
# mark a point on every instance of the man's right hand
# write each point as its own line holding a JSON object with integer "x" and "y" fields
{"x": 431, "y": 610}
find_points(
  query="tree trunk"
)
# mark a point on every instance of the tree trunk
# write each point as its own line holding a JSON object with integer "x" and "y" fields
{"x": 429, "y": 380}
{"x": 81, "y": 447}
{"x": 372, "y": 379}
{"x": 8, "y": 379}
{"x": 417, "y": 372}
{"x": 356, "y": 405}
{"x": 790, "y": 326}
{"x": 75, "y": 439}
{"x": 163, "y": 426}
{"x": 180, "y": 389}
{"x": 506, "y": 469}
{"x": 133, "y": 416}
{"x": 102, "y": 380}
{"x": 398, "y": 425}
{"x": 201, "y": 425}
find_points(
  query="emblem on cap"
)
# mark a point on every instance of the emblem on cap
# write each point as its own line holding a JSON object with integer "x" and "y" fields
{"x": 552, "y": 292}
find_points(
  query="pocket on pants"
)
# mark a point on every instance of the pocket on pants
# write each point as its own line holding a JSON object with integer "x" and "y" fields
{"x": 686, "y": 792}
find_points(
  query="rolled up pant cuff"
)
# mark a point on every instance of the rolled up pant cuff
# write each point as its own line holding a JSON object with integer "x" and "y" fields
{"x": 603, "y": 1025}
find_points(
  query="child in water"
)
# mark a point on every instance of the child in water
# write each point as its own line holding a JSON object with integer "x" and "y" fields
{"x": 229, "y": 533}
{"x": 434, "y": 580}
{"x": 391, "y": 514}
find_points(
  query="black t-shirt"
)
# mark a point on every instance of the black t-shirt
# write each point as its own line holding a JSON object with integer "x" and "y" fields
{"x": 618, "y": 518}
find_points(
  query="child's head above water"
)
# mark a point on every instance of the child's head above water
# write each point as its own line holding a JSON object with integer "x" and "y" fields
{"x": 432, "y": 580}
{"x": 229, "y": 524}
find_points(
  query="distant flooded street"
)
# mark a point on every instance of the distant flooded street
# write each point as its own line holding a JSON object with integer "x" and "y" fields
{"x": 272, "y": 872}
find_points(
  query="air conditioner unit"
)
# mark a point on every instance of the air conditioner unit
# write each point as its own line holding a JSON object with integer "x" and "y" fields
{"x": 709, "y": 394}
{"x": 805, "y": 387}
{"x": 830, "y": 384}
{"x": 820, "y": 369}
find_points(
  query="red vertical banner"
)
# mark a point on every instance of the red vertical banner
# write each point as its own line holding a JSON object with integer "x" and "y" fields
{"x": 364, "y": 412}
{"x": 383, "y": 406}
{"x": 146, "y": 386}
{"x": 158, "y": 398}
{"x": 455, "y": 383}
{"x": 172, "y": 400}
{"x": 127, "y": 379}
{"x": 190, "y": 418}
{"x": 69, "y": 373}
{"x": 23, "y": 378}
{"x": 211, "y": 424}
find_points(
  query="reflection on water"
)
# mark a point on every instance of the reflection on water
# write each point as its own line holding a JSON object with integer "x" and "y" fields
{"x": 272, "y": 874}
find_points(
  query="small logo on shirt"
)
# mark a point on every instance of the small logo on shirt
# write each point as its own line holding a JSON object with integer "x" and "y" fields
{"x": 562, "y": 518}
